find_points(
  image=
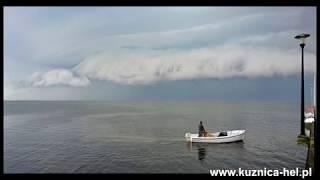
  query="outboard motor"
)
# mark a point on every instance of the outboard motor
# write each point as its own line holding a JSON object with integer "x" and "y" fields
{"x": 223, "y": 133}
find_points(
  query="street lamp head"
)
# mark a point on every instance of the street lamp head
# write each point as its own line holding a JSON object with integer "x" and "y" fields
{"x": 302, "y": 38}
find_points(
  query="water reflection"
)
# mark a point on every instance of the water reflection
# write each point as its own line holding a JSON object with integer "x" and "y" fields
{"x": 203, "y": 148}
{"x": 201, "y": 152}
{"x": 200, "y": 147}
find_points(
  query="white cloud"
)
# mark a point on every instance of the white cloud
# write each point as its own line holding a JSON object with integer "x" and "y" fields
{"x": 219, "y": 62}
{"x": 57, "y": 77}
{"x": 249, "y": 42}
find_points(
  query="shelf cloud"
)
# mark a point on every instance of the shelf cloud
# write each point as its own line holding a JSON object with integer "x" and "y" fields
{"x": 217, "y": 63}
{"x": 57, "y": 77}
{"x": 147, "y": 68}
{"x": 67, "y": 48}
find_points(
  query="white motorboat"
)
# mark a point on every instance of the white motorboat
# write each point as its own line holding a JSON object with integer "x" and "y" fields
{"x": 230, "y": 136}
{"x": 309, "y": 120}
{"x": 309, "y": 115}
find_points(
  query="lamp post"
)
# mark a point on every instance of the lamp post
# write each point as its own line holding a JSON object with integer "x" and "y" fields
{"x": 302, "y": 38}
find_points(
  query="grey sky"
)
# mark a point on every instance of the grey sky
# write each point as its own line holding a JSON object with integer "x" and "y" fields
{"x": 74, "y": 52}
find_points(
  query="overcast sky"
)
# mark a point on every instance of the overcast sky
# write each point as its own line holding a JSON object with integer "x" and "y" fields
{"x": 124, "y": 53}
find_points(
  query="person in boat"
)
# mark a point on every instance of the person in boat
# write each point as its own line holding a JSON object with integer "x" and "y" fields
{"x": 202, "y": 131}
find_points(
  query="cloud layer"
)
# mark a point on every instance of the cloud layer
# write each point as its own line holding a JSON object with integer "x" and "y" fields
{"x": 218, "y": 63}
{"x": 147, "y": 67}
{"x": 57, "y": 77}
{"x": 50, "y": 47}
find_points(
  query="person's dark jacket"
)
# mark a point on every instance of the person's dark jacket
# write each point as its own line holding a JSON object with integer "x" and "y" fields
{"x": 201, "y": 130}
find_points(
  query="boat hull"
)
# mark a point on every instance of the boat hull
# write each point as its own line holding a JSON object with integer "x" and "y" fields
{"x": 233, "y": 136}
{"x": 309, "y": 120}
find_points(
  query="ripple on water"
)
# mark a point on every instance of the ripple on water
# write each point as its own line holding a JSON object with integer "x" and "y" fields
{"x": 147, "y": 138}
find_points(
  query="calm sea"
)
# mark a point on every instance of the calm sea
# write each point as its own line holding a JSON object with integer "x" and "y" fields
{"x": 147, "y": 137}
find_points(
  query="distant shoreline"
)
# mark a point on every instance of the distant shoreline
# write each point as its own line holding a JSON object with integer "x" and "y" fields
{"x": 167, "y": 101}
